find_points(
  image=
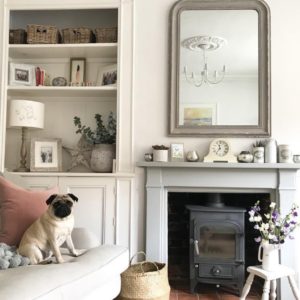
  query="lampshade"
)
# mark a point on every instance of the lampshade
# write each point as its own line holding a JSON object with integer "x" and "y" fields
{"x": 25, "y": 113}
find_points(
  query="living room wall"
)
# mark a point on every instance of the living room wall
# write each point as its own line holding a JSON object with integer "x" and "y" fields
{"x": 151, "y": 85}
{"x": 151, "y": 77}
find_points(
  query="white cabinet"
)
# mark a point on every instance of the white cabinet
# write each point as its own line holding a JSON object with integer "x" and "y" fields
{"x": 96, "y": 208}
{"x": 105, "y": 200}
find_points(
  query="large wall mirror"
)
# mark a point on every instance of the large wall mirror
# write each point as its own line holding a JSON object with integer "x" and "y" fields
{"x": 220, "y": 68}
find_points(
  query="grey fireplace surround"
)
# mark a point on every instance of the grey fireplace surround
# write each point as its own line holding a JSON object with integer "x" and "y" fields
{"x": 279, "y": 180}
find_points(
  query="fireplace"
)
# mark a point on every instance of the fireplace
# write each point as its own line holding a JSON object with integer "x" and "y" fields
{"x": 277, "y": 180}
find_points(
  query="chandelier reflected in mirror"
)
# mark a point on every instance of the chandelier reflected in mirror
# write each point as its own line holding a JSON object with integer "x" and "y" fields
{"x": 204, "y": 43}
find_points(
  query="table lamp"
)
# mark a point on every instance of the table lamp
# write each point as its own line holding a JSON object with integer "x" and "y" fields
{"x": 25, "y": 114}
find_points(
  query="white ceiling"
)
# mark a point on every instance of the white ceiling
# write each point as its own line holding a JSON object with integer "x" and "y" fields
{"x": 238, "y": 27}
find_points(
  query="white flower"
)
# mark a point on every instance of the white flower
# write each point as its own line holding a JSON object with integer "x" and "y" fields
{"x": 272, "y": 205}
{"x": 271, "y": 236}
{"x": 267, "y": 216}
{"x": 251, "y": 213}
{"x": 265, "y": 226}
{"x": 257, "y": 219}
{"x": 251, "y": 219}
{"x": 256, "y": 227}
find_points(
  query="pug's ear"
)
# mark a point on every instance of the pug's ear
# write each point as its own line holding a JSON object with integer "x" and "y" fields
{"x": 50, "y": 199}
{"x": 73, "y": 197}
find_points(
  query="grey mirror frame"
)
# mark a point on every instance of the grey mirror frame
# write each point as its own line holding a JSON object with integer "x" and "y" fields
{"x": 264, "y": 120}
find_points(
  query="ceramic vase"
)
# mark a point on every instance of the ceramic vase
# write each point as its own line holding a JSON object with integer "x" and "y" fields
{"x": 192, "y": 156}
{"x": 258, "y": 154}
{"x": 160, "y": 155}
{"x": 285, "y": 154}
{"x": 270, "y": 257}
{"x": 102, "y": 158}
{"x": 271, "y": 151}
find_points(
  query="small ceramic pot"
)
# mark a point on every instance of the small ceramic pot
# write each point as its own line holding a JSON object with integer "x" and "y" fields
{"x": 245, "y": 157}
{"x": 296, "y": 158}
{"x": 148, "y": 157}
{"x": 160, "y": 155}
{"x": 192, "y": 156}
{"x": 258, "y": 154}
{"x": 285, "y": 154}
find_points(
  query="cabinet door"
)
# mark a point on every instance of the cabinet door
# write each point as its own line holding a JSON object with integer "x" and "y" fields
{"x": 95, "y": 209}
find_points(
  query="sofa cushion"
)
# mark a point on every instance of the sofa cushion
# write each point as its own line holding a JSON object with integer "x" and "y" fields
{"x": 74, "y": 279}
{"x": 19, "y": 208}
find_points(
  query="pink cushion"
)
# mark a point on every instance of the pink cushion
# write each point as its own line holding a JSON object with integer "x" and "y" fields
{"x": 19, "y": 208}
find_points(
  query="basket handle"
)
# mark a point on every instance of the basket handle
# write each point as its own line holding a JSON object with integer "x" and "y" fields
{"x": 140, "y": 252}
{"x": 151, "y": 262}
{"x": 144, "y": 261}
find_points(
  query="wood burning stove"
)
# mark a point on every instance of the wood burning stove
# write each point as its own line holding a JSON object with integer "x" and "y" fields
{"x": 217, "y": 245}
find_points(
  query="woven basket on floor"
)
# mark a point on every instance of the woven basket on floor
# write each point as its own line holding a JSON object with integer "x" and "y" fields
{"x": 42, "y": 34}
{"x": 145, "y": 281}
{"x": 77, "y": 35}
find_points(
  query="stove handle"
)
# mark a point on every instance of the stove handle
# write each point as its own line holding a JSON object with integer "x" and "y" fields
{"x": 196, "y": 247}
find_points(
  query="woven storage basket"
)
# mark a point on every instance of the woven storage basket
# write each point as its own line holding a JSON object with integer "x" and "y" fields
{"x": 106, "y": 35}
{"x": 77, "y": 35}
{"x": 17, "y": 36}
{"x": 42, "y": 34}
{"x": 145, "y": 281}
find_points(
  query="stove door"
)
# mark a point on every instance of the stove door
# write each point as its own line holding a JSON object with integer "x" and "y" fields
{"x": 216, "y": 241}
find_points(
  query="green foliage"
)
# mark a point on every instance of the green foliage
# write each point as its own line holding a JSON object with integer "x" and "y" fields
{"x": 102, "y": 134}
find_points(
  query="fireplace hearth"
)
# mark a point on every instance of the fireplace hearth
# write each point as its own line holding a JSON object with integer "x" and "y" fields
{"x": 217, "y": 245}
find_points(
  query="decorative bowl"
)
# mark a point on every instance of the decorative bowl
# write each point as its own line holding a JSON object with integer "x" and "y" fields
{"x": 296, "y": 158}
{"x": 245, "y": 157}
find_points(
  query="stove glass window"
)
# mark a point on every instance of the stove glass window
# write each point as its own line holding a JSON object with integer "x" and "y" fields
{"x": 217, "y": 241}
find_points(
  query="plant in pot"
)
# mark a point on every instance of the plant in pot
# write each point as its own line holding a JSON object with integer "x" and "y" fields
{"x": 259, "y": 152}
{"x": 104, "y": 140}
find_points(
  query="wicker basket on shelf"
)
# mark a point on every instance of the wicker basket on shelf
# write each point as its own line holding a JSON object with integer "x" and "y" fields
{"x": 17, "y": 36}
{"x": 106, "y": 35}
{"x": 77, "y": 35}
{"x": 42, "y": 34}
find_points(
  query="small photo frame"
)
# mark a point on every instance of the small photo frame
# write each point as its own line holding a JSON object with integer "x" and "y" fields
{"x": 45, "y": 155}
{"x": 177, "y": 152}
{"x": 21, "y": 74}
{"x": 77, "y": 71}
{"x": 107, "y": 75}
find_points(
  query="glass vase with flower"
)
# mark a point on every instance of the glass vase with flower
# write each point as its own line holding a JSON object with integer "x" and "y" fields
{"x": 274, "y": 229}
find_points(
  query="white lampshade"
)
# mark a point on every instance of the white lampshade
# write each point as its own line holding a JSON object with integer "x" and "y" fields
{"x": 25, "y": 113}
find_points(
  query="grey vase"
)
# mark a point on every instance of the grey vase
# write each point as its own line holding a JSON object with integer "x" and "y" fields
{"x": 102, "y": 158}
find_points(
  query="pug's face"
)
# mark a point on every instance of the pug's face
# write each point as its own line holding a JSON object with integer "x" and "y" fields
{"x": 61, "y": 205}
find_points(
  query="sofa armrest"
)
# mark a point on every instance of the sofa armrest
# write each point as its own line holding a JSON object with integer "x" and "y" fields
{"x": 84, "y": 238}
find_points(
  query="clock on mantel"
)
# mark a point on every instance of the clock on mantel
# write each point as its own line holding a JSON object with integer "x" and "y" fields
{"x": 220, "y": 151}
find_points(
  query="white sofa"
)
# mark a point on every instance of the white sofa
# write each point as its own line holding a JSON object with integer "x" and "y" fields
{"x": 95, "y": 274}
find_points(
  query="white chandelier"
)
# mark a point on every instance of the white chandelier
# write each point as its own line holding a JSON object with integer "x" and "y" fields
{"x": 204, "y": 43}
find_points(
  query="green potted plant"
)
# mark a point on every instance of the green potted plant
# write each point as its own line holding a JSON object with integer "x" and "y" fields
{"x": 103, "y": 137}
{"x": 259, "y": 152}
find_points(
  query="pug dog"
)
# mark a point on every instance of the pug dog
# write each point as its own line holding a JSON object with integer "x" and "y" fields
{"x": 44, "y": 237}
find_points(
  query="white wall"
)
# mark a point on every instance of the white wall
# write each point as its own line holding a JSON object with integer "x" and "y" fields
{"x": 151, "y": 80}
{"x": 151, "y": 77}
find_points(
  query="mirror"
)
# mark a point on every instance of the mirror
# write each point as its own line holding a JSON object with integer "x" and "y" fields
{"x": 220, "y": 68}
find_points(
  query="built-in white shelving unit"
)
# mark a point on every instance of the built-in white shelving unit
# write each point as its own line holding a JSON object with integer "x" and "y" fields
{"x": 107, "y": 196}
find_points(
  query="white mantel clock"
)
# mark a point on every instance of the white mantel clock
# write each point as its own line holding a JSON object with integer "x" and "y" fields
{"x": 220, "y": 151}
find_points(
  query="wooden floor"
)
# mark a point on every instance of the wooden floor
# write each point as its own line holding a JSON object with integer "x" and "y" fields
{"x": 208, "y": 293}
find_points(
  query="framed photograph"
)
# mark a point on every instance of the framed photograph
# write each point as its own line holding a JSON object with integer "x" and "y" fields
{"x": 198, "y": 114}
{"x": 21, "y": 74}
{"x": 107, "y": 75}
{"x": 45, "y": 155}
{"x": 77, "y": 71}
{"x": 177, "y": 152}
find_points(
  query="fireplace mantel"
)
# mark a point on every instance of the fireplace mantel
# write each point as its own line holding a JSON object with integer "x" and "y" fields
{"x": 279, "y": 179}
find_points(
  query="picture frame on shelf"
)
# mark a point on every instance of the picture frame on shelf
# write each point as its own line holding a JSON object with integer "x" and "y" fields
{"x": 198, "y": 114}
{"x": 107, "y": 75}
{"x": 45, "y": 155}
{"x": 177, "y": 152}
{"x": 21, "y": 74}
{"x": 77, "y": 71}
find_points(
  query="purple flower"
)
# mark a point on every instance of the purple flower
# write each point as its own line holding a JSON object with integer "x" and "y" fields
{"x": 257, "y": 239}
{"x": 295, "y": 213}
{"x": 287, "y": 225}
{"x": 291, "y": 237}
